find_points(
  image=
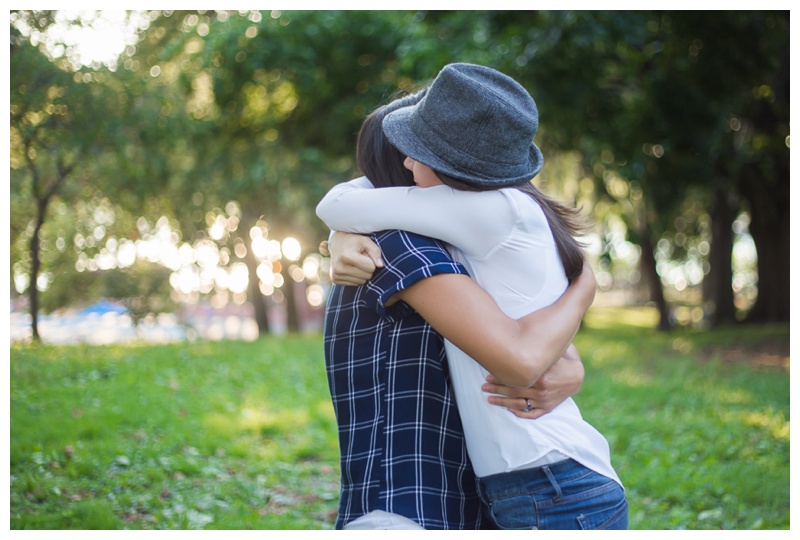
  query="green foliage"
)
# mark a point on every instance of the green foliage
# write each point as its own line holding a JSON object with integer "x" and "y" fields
{"x": 68, "y": 130}
{"x": 143, "y": 288}
{"x": 271, "y": 103}
{"x": 260, "y": 109}
{"x": 59, "y": 120}
{"x": 232, "y": 435}
{"x": 75, "y": 236}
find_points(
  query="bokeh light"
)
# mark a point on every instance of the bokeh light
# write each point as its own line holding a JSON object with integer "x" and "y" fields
{"x": 291, "y": 248}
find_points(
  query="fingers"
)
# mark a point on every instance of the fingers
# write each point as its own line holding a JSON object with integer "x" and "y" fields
{"x": 354, "y": 258}
{"x": 359, "y": 265}
{"x": 517, "y": 400}
{"x": 511, "y": 403}
{"x": 323, "y": 249}
{"x": 351, "y": 267}
{"x": 529, "y": 415}
{"x": 493, "y": 387}
{"x": 519, "y": 406}
{"x": 347, "y": 282}
{"x": 352, "y": 270}
{"x": 371, "y": 250}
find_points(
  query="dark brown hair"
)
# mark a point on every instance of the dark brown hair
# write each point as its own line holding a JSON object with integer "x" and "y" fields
{"x": 376, "y": 157}
{"x": 565, "y": 222}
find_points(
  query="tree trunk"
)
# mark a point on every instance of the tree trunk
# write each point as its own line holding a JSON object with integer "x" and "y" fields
{"x": 36, "y": 263}
{"x": 43, "y": 195}
{"x": 719, "y": 290}
{"x": 292, "y": 316}
{"x": 648, "y": 266}
{"x": 772, "y": 244}
{"x": 770, "y": 227}
{"x": 255, "y": 295}
{"x": 765, "y": 186}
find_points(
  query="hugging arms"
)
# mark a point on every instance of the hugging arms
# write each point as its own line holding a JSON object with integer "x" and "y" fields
{"x": 515, "y": 352}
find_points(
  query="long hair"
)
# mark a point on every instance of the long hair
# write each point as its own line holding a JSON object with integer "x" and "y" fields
{"x": 565, "y": 222}
{"x": 376, "y": 157}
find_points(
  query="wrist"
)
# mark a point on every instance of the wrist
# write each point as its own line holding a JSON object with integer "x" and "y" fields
{"x": 581, "y": 293}
{"x": 586, "y": 290}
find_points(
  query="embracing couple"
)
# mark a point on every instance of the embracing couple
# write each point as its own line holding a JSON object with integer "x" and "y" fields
{"x": 448, "y": 335}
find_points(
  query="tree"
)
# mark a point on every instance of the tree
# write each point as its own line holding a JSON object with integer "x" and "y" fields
{"x": 679, "y": 105}
{"x": 635, "y": 92}
{"x": 58, "y": 124}
{"x": 762, "y": 147}
{"x": 143, "y": 289}
{"x": 75, "y": 143}
{"x": 718, "y": 108}
{"x": 276, "y": 100}
{"x": 240, "y": 121}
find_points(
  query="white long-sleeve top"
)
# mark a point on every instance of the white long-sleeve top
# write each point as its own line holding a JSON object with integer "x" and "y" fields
{"x": 503, "y": 239}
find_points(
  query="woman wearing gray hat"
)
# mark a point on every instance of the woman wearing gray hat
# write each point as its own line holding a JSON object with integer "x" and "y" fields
{"x": 474, "y": 131}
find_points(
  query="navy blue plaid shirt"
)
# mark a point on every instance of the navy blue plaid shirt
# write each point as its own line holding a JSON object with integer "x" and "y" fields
{"x": 401, "y": 441}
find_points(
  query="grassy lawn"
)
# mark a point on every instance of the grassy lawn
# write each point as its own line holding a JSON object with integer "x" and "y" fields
{"x": 228, "y": 435}
{"x": 235, "y": 435}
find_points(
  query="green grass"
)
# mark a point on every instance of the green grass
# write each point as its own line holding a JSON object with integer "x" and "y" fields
{"x": 698, "y": 422}
{"x": 226, "y": 435}
{"x": 234, "y": 435}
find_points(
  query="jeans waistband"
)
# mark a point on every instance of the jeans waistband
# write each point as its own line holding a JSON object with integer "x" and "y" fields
{"x": 526, "y": 479}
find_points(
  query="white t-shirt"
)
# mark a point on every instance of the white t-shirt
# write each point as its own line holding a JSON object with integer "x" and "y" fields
{"x": 504, "y": 240}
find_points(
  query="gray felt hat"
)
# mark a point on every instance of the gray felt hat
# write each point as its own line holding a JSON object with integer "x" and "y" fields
{"x": 475, "y": 124}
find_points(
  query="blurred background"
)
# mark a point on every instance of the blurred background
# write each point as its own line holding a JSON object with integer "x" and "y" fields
{"x": 165, "y": 165}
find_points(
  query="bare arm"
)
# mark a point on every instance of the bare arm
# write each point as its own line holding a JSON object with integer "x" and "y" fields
{"x": 355, "y": 257}
{"x": 517, "y": 352}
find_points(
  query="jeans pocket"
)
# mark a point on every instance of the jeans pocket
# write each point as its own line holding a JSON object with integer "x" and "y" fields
{"x": 517, "y": 512}
{"x": 612, "y": 517}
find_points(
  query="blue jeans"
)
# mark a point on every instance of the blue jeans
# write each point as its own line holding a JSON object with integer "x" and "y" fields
{"x": 564, "y": 495}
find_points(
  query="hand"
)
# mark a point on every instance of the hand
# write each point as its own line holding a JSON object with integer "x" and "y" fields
{"x": 354, "y": 258}
{"x": 561, "y": 381}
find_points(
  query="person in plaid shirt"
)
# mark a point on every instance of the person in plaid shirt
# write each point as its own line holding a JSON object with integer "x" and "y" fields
{"x": 403, "y": 457}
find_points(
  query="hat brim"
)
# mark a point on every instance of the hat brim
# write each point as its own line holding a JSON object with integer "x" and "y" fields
{"x": 399, "y": 128}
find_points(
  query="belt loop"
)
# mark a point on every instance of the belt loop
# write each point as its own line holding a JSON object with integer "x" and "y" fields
{"x": 552, "y": 479}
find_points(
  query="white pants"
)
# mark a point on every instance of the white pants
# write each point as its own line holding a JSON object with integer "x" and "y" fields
{"x": 378, "y": 519}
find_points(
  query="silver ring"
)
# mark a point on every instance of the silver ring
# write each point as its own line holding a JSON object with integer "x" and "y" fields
{"x": 528, "y": 403}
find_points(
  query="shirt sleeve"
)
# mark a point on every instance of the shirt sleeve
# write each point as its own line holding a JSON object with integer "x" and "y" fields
{"x": 408, "y": 258}
{"x": 473, "y": 222}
